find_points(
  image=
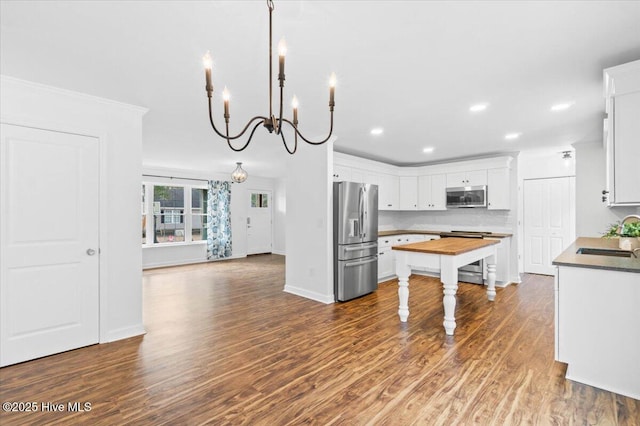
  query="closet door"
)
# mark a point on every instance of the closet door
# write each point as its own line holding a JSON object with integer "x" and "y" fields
{"x": 49, "y": 254}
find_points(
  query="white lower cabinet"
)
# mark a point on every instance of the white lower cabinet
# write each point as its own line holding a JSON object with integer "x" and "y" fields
{"x": 502, "y": 260}
{"x": 387, "y": 257}
{"x": 596, "y": 331}
{"x": 386, "y": 263}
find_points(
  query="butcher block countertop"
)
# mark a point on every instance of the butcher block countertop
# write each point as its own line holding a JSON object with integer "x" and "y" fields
{"x": 405, "y": 231}
{"x": 447, "y": 246}
{"x": 569, "y": 257}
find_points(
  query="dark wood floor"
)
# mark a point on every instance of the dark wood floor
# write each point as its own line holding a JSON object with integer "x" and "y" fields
{"x": 225, "y": 345}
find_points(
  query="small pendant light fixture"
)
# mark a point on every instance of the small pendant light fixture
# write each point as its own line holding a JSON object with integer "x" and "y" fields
{"x": 239, "y": 175}
{"x": 273, "y": 123}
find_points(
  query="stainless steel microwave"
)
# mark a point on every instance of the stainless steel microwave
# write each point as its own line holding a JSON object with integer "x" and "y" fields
{"x": 467, "y": 196}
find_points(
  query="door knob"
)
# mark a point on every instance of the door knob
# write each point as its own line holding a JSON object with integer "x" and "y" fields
{"x": 91, "y": 252}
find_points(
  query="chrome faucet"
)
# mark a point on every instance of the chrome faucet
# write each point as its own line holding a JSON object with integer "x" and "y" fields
{"x": 631, "y": 216}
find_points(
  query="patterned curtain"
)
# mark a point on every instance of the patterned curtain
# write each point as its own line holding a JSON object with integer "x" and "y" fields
{"x": 219, "y": 220}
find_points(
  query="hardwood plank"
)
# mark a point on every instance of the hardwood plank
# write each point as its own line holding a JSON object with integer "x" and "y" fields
{"x": 225, "y": 345}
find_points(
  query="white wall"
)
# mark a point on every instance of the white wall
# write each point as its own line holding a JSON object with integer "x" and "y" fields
{"x": 592, "y": 215}
{"x": 119, "y": 128}
{"x": 180, "y": 254}
{"x": 280, "y": 217}
{"x": 309, "y": 266}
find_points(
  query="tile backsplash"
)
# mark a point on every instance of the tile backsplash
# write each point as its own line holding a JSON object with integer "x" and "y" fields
{"x": 452, "y": 219}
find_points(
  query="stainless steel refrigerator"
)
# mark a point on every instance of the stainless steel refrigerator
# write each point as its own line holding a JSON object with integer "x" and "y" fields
{"x": 355, "y": 234}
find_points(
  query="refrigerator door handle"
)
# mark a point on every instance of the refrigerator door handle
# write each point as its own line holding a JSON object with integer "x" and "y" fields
{"x": 361, "y": 209}
{"x": 361, "y": 262}
{"x": 365, "y": 211}
{"x": 361, "y": 247}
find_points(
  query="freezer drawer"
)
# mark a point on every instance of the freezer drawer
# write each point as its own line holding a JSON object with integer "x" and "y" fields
{"x": 355, "y": 251}
{"x": 356, "y": 277}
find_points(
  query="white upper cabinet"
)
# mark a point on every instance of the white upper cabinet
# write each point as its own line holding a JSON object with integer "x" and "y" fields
{"x": 388, "y": 192}
{"x": 498, "y": 189}
{"x": 365, "y": 176}
{"x": 432, "y": 192}
{"x": 470, "y": 178}
{"x": 408, "y": 193}
{"x": 622, "y": 91}
{"x": 341, "y": 173}
{"x": 424, "y": 188}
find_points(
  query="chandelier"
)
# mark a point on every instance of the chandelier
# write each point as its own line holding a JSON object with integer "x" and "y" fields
{"x": 271, "y": 122}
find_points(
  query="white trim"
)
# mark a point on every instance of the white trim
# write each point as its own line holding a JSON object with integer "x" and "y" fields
{"x": 103, "y": 238}
{"x": 322, "y": 298}
{"x": 71, "y": 93}
{"x": 124, "y": 333}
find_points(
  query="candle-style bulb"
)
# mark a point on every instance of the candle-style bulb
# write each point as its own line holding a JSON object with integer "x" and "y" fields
{"x": 282, "y": 47}
{"x": 207, "y": 61}
{"x": 225, "y": 97}
{"x": 332, "y": 91}
{"x": 294, "y": 105}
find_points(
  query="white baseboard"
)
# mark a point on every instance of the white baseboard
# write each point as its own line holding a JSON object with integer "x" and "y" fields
{"x": 123, "y": 333}
{"x": 322, "y": 298}
{"x": 188, "y": 262}
{"x": 281, "y": 253}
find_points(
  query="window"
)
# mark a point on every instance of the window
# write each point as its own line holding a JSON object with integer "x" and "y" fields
{"x": 259, "y": 200}
{"x": 144, "y": 214}
{"x": 173, "y": 213}
{"x": 198, "y": 214}
{"x": 169, "y": 221}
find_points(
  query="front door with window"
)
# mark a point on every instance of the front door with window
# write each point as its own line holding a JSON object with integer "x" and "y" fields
{"x": 49, "y": 254}
{"x": 259, "y": 222}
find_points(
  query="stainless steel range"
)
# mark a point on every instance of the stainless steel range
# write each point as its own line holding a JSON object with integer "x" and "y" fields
{"x": 471, "y": 273}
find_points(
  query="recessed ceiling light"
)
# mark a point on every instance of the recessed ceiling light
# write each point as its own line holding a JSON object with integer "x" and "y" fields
{"x": 478, "y": 107}
{"x": 562, "y": 106}
{"x": 512, "y": 136}
{"x": 377, "y": 131}
{"x": 428, "y": 150}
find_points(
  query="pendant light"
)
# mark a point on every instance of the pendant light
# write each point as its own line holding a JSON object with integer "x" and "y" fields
{"x": 239, "y": 175}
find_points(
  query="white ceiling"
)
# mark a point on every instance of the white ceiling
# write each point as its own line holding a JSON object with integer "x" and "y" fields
{"x": 411, "y": 67}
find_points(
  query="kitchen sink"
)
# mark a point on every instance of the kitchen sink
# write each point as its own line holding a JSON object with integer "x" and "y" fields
{"x": 604, "y": 252}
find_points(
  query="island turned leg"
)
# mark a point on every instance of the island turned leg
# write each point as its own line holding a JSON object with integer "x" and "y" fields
{"x": 403, "y": 271}
{"x": 449, "y": 302}
{"x": 491, "y": 278}
{"x": 449, "y": 278}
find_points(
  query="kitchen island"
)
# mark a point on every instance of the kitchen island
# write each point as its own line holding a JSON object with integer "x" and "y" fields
{"x": 597, "y": 321}
{"x": 447, "y": 255}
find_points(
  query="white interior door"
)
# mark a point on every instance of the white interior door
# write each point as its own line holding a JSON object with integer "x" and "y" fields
{"x": 259, "y": 230}
{"x": 49, "y": 260}
{"x": 549, "y": 221}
